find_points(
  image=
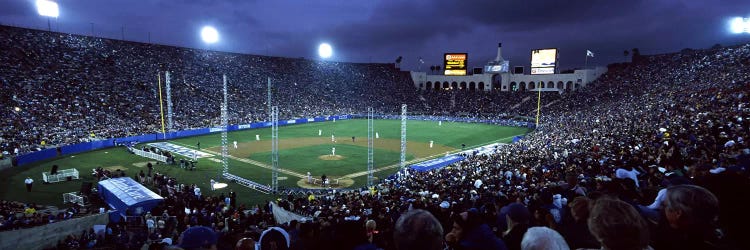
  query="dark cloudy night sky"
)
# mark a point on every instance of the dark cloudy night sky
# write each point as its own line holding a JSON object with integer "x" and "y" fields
{"x": 381, "y": 30}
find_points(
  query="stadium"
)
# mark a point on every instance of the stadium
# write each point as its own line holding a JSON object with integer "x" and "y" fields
{"x": 115, "y": 143}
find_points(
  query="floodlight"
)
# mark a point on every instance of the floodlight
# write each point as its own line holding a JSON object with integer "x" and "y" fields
{"x": 47, "y": 8}
{"x": 325, "y": 50}
{"x": 736, "y": 25}
{"x": 209, "y": 34}
{"x": 739, "y": 25}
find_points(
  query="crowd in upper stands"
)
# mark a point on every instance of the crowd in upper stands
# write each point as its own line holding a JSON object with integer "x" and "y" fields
{"x": 70, "y": 88}
{"x": 651, "y": 155}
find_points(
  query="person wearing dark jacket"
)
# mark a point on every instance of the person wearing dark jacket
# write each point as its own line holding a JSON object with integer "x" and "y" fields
{"x": 518, "y": 222}
{"x": 690, "y": 216}
{"x": 576, "y": 232}
{"x": 470, "y": 233}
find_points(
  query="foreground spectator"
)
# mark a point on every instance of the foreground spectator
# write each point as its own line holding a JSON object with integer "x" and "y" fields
{"x": 618, "y": 226}
{"x": 470, "y": 232}
{"x": 418, "y": 229}
{"x": 275, "y": 238}
{"x": 518, "y": 222}
{"x": 198, "y": 238}
{"x": 690, "y": 219}
{"x": 543, "y": 238}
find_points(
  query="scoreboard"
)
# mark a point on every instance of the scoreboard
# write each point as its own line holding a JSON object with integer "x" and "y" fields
{"x": 543, "y": 61}
{"x": 455, "y": 64}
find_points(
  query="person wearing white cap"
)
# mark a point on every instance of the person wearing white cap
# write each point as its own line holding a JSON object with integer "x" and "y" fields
{"x": 445, "y": 205}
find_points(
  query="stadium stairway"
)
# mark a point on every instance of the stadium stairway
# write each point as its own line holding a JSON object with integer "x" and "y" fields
{"x": 524, "y": 100}
{"x": 424, "y": 102}
{"x": 453, "y": 99}
{"x": 551, "y": 103}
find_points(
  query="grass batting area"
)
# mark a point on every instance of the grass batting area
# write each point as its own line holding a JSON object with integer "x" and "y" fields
{"x": 302, "y": 148}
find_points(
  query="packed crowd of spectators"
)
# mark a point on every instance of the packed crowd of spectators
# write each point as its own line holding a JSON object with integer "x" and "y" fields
{"x": 651, "y": 155}
{"x": 17, "y": 215}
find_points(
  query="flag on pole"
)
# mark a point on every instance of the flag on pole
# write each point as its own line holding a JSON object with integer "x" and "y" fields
{"x": 589, "y": 53}
{"x": 421, "y": 61}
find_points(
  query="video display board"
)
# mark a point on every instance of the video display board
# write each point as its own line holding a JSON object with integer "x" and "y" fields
{"x": 501, "y": 67}
{"x": 543, "y": 61}
{"x": 454, "y": 64}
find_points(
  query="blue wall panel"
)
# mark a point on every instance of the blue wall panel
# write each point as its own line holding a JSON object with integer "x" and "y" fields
{"x": 36, "y": 156}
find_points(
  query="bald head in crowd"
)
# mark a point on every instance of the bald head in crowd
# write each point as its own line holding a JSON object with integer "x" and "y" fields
{"x": 543, "y": 238}
{"x": 418, "y": 230}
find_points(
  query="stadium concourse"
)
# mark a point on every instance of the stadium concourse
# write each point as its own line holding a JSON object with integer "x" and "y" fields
{"x": 651, "y": 155}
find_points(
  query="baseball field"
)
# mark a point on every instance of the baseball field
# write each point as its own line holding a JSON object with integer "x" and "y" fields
{"x": 302, "y": 148}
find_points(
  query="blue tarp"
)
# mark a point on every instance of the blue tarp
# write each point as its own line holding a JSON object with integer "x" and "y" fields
{"x": 436, "y": 163}
{"x": 128, "y": 196}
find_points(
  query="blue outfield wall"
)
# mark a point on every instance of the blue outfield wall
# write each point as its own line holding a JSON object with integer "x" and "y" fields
{"x": 36, "y": 156}
{"x": 50, "y": 153}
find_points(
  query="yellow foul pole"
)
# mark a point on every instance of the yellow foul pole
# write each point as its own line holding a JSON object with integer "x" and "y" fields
{"x": 538, "y": 104}
{"x": 161, "y": 104}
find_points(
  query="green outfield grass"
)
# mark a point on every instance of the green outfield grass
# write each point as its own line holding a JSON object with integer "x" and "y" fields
{"x": 297, "y": 158}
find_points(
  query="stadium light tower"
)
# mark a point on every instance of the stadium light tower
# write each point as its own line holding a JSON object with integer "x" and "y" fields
{"x": 325, "y": 51}
{"x": 49, "y": 9}
{"x": 739, "y": 25}
{"x": 209, "y": 34}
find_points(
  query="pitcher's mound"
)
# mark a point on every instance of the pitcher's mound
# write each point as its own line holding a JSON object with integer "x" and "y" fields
{"x": 141, "y": 164}
{"x": 331, "y": 157}
{"x": 115, "y": 168}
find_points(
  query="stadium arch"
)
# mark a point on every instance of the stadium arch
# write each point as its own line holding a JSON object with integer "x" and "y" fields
{"x": 502, "y": 81}
{"x": 429, "y": 85}
{"x": 472, "y": 86}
